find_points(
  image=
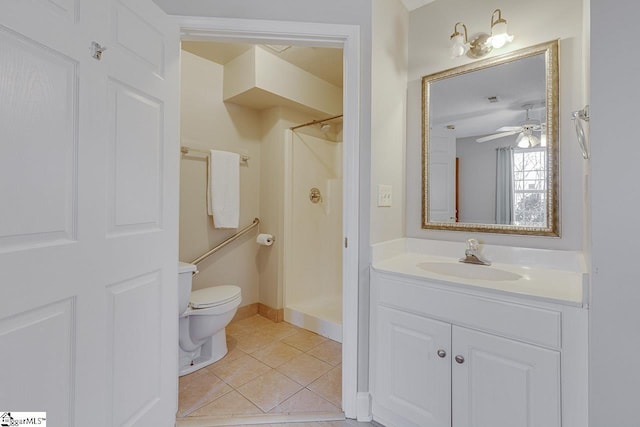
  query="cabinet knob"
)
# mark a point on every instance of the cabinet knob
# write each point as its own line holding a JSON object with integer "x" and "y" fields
{"x": 459, "y": 359}
{"x": 442, "y": 353}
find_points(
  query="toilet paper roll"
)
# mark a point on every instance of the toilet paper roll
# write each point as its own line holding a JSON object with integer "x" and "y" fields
{"x": 265, "y": 239}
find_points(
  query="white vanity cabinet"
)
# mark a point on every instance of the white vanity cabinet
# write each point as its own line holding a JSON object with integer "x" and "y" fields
{"x": 447, "y": 356}
{"x": 500, "y": 382}
{"x": 412, "y": 380}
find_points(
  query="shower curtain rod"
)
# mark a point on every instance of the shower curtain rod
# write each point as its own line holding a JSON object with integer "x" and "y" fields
{"x": 315, "y": 122}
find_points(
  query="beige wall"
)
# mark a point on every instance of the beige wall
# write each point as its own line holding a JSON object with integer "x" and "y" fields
{"x": 388, "y": 115}
{"x": 260, "y": 79}
{"x": 206, "y": 123}
{"x": 531, "y": 23}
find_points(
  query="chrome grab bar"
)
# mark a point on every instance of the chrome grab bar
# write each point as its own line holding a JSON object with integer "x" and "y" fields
{"x": 244, "y": 231}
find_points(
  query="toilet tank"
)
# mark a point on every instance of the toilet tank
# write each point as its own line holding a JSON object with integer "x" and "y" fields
{"x": 185, "y": 273}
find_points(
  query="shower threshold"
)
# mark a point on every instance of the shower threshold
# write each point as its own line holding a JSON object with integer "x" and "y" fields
{"x": 323, "y": 318}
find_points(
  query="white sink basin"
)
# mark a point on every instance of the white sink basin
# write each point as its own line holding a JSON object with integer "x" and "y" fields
{"x": 469, "y": 271}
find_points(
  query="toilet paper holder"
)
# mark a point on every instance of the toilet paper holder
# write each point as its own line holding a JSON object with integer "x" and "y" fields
{"x": 264, "y": 239}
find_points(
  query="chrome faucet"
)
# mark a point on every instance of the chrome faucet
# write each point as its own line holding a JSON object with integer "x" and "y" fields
{"x": 472, "y": 254}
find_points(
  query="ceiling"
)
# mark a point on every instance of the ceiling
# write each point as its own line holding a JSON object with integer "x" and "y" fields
{"x": 414, "y": 4}
{"x": 325, "y": 63}
{"x": 462, "y": 101}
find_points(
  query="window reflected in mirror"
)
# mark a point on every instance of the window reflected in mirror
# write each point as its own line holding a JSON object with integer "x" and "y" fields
{"x": 490, "y": 145}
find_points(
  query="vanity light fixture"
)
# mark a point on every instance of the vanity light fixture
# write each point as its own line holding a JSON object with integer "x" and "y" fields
{"x": 481, "y": 44}
{"x": 499, "y": 36}
{"x": 459, "y": 42}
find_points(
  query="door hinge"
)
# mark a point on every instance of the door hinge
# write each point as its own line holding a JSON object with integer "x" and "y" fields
{"x": 346, "y": 242}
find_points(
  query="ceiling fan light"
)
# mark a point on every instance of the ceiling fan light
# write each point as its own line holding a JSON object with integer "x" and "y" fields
{"x": 533, "y": 141}
{"x": 527, "y": 140}
{"x": 543, "y": 139}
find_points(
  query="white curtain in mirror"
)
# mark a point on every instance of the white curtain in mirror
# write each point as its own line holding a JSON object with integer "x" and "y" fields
{"x": 504, "y": 185}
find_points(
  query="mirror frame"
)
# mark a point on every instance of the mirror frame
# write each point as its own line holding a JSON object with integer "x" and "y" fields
{"x": 550, "y": 50}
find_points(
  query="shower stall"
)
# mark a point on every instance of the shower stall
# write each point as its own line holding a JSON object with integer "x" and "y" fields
{"x": 313, "y": 227}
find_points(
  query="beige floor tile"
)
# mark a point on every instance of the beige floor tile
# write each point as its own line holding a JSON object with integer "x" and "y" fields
{"x": 269, "y": 390}
{"x": 253, "y": 341}
{"x": 304, "y": 369}
{"x": 329, "y": 351}
{"x": 198, "y": 389}
{"x": 233, "y": 352}
{"x": 232, "y": 403}
{"x": 239, "y": 371}
{"x": 186, "y": 381}
{"x": 304, "y": 401}
{"x": 248, "y": 325}
{"x": 329, "y": 386}
{"x": 243, "y": 384}
{"x": 279, "y": 330}
{"x": 276, "y": 354}
{"x": 304, "y": 340}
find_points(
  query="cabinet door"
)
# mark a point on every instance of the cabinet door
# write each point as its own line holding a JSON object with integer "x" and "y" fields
{"x": 503, "y": 383}
{"x": 413, "y": 382}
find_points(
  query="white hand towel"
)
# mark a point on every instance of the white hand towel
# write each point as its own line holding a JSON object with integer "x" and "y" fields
{"x": 223, "y": 194}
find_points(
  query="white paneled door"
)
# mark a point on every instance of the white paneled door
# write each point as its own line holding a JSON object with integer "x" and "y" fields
{"x": 442, "y": 175}
{"x": 88, "y": 212}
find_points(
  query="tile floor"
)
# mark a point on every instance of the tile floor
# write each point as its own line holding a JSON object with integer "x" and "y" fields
{"x": 271, "y": 368}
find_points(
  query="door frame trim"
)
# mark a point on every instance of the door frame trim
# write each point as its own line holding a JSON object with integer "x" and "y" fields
{"x": 347, "y": 37}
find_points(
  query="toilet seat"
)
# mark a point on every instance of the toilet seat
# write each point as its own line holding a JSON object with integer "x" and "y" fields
{"x": 213, "y": 296}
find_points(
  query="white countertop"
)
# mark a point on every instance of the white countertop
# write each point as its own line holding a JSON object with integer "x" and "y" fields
{"x": 544, "y": 279}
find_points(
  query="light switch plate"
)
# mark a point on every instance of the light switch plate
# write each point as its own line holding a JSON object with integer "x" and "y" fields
{"x": 384, "y": 195}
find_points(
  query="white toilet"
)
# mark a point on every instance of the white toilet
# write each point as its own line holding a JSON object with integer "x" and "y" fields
{"x": 203, "y": 316}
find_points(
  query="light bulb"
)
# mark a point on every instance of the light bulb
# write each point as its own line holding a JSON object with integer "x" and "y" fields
{"x": 499, "y": 36}
{"x": 458, "y": 46}
{"x": 527, "y": 140}
{"x": 522, "y": 141}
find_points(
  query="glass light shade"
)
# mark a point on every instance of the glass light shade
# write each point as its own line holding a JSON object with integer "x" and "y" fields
{"x": 533, "y": 141}
{"x": 526, "y": 140}
{"x": 499, "y": 36}
{"x": 543, "y": 139}
{"x": 458, "y": 46}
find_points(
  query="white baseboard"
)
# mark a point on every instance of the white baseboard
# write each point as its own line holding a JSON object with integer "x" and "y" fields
{"x": 363, "y": 410}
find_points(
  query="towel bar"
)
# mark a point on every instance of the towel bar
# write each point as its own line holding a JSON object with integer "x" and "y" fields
{"x": 185, "y": 150}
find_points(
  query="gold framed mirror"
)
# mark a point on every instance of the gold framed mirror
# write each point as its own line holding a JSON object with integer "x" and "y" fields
{"x": 490, "y": 145}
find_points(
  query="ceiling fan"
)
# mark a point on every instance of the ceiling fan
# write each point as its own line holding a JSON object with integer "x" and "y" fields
{"x": 525, "y": 131}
